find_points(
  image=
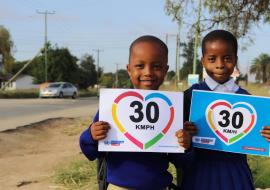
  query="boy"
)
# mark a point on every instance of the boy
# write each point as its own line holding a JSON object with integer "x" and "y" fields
{"x": 216, "y": 169}
{"x": 147, "y": 69}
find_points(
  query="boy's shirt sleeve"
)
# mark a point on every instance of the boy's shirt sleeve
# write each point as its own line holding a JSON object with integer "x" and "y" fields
{"x": 88, "y": 145}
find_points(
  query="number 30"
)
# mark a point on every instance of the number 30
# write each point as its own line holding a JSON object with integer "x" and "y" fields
{"x": 237, "y": 119}
{"x": 138, "y": 110}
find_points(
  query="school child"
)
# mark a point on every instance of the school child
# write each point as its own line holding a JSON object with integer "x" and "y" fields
{"x": 129, "y": 170}
{"x": 217, "y": 170}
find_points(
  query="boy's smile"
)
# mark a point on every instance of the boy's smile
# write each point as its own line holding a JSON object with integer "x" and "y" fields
{"x": 147, "y": 66}
{"x": 219, "y": 60}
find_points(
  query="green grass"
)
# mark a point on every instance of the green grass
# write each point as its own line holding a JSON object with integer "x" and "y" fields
{"x": 260, "y": 167}
{"x": 80, "y": 174}
{"x": 34, "y": 93}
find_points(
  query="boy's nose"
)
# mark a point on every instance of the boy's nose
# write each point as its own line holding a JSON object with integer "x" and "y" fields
{"x": 147, "y": 71}
{"x": 220, "y": 64}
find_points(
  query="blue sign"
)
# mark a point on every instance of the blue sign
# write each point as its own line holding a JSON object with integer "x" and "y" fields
{"x": 193, "y": 79}
{"x": 230, "y": 122}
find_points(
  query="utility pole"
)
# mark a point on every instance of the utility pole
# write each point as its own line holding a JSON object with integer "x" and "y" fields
{"x": 177, "y": 54}
{"x": 177, "y": 61}
{"x": 116, "y": 75}
{"x": 45, "y": 13}
{"x": 166, "y": 39}
{"x": 197, "y": 37}
{"x": 98, "y": 51}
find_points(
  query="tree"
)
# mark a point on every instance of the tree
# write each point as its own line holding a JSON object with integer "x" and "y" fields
{"x": 188, "y": 54}
{"x": 107, "y": 80}
{"x": 6, "y": 46}
{"x": 123, "y": 79}
{"x": 88, "y": 73}
{"x": 235, "y": 16}
{"x": 261, "y": 68}
{"x": 61, "y": 66}
{"x": 170, "y": 75}
{"x": 18, "y": 65}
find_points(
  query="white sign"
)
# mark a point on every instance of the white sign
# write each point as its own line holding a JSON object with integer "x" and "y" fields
{"x": 141, "y": 120}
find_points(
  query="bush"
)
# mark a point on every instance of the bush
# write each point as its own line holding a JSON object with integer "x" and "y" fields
{"x": 32, "y": 93}
{"x": 87, "y": 93}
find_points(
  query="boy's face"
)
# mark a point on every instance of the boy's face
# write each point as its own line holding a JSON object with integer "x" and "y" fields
{"x": 147, "y": 66}
{"x": 219, "y": 60}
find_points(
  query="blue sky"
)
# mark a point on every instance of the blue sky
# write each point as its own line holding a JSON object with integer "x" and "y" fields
{"x": 110, "y": 25}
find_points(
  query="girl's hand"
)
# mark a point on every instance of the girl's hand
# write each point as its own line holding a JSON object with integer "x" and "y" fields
{"x": 99, "y": 130}
{"x": 265, "y": 132}
{"x": 190, "y": 128}
{"x": 184, "y": 138}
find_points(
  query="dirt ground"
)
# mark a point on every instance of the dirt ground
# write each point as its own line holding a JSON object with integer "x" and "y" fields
{"x": 29, "y": 154}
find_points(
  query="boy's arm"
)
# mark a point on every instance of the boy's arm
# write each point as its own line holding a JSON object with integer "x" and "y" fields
{"x": 88, "y": 145}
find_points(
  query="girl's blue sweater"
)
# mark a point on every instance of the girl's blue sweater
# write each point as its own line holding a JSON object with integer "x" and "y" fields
{"x": 215, "y": 170}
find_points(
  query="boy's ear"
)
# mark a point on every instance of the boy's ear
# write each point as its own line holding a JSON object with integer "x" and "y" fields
{"x": 128, "y": 69}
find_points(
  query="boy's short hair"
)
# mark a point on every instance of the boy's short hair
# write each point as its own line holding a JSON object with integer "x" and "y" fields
{"x": 220, "y": 35}
{"x": 149, "y": 38}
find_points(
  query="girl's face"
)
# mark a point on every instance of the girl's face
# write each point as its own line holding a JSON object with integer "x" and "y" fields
{"x": 147, "y": 66}
{"x": 219, "y": 60}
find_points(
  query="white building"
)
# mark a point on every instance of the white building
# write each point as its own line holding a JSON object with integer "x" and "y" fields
{"x": 23, "y": 82}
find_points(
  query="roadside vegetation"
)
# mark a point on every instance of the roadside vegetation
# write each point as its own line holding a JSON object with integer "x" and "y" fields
{"x": 34, "y": 93}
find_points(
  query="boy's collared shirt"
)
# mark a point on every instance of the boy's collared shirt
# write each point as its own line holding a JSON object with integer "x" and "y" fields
{"x": 228, "y": 86}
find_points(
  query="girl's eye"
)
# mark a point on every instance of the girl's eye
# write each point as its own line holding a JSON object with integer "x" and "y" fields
{"x": 157, "y": 66}
{"x": 228, "y": 59}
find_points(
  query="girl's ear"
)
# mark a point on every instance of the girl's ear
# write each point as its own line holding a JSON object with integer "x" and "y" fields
{"x": 202, "y": 61}
{"x": 167, "y": 68}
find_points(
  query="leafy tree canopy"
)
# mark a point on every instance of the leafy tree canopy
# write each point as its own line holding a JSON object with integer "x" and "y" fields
{"x": 6, "y": 45}
{"x": 87, "y": 72}
{"x": 188, "y": 54}
{"x": 235, "y": 16}
{"x": 261, "y": 68}
{"x": 61, "y": 66}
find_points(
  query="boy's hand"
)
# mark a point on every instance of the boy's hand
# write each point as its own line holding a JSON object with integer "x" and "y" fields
{"x": 190, "y": 128}
{"x": 265, "y": 132}
{"x": 184, "y": 138}
{"x": 99, "y": 130}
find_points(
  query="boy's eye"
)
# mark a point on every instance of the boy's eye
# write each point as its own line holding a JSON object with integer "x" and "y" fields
{"x": 139, "y": 66}
{"x": 211, "y": 59}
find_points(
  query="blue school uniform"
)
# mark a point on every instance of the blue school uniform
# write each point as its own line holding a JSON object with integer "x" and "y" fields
{"x": 134, "y": 170}
{"x": 211, "y": 169}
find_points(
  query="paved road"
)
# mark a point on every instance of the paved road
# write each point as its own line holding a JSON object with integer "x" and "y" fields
{"x": 19, "y": 112}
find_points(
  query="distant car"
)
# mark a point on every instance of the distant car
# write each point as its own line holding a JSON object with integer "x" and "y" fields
{"x": 60, "y": 90}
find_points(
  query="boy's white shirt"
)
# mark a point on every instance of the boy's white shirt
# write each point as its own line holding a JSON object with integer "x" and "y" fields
{"x": 228, "y": 86}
